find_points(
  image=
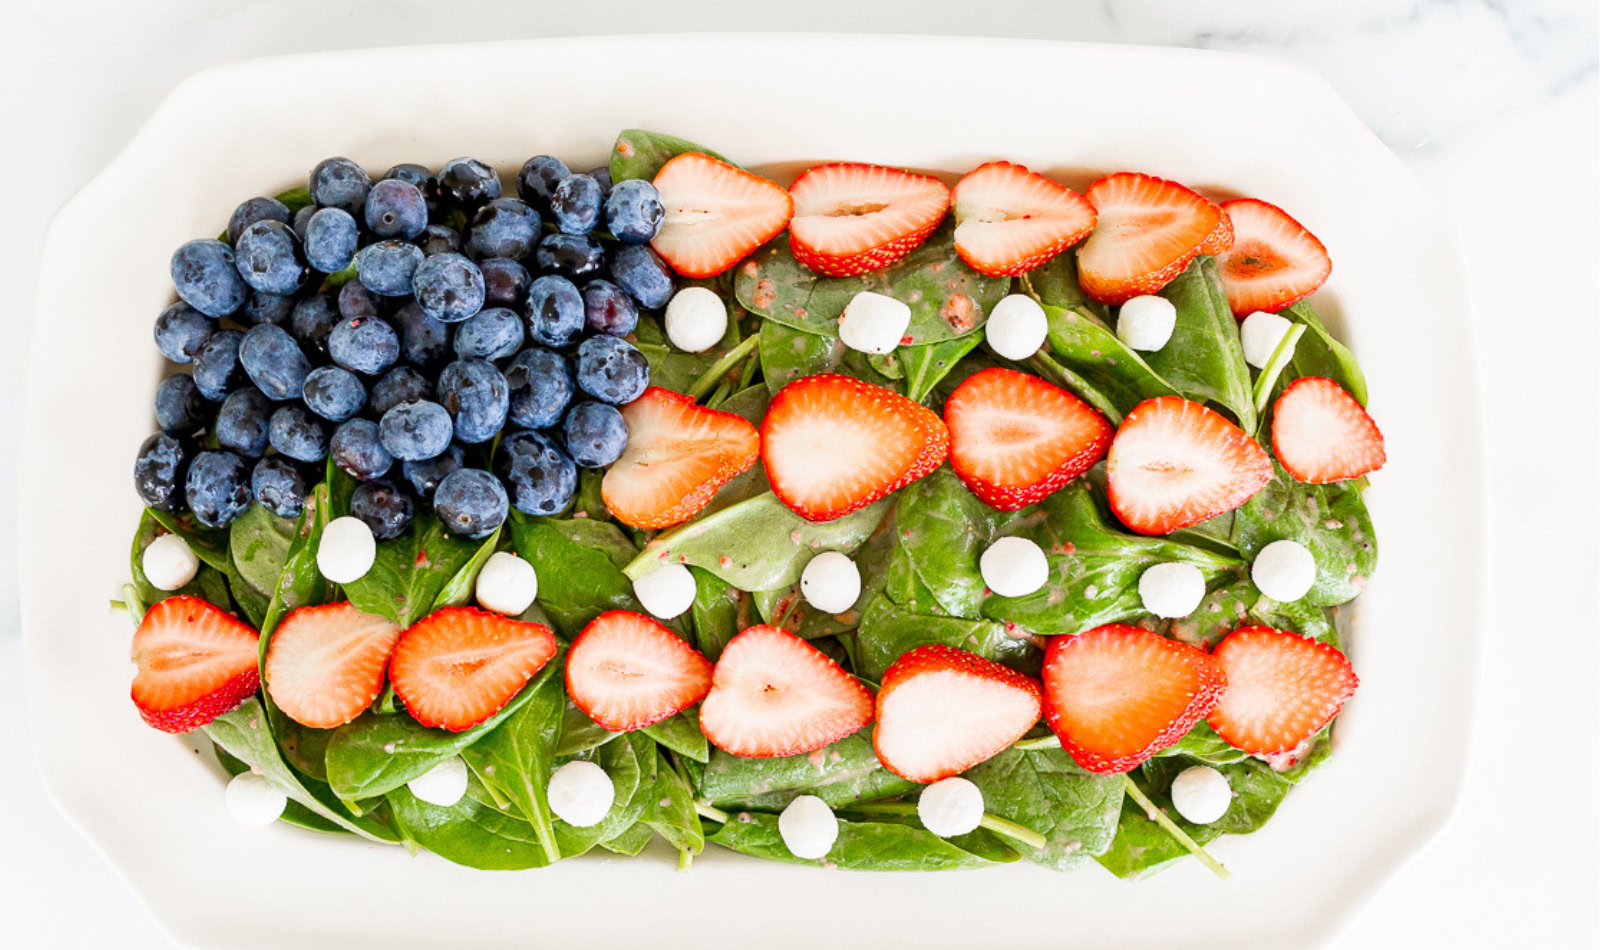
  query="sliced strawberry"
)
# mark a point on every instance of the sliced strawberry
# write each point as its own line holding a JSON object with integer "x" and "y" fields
{"x": 832, "y": 444}
{"x": 774, "y": 694}
{"x": 1321, "y": 434}
{"x": 1148, "y": 231}
{"x": 325, "y": 664}
{"x": 851, "y": 218}
{"x": 942, "y": 710}
{"x": 1117, "y": 694}
{"x": 679, "y": 453}
{"x": 716, "y": 214}
{"x": 626, "y": 671}
{"x": 1175, "y": 463}
{"x": 459, "y": 665}
{"x": 193, "y": 662}
{"x": 1015, "y": 438}
{"x": 1220, "y": 238}
{"x": 1273, "y": 262}
{"x": 1282, "y": 689}
{"x": 1010, "y": 220}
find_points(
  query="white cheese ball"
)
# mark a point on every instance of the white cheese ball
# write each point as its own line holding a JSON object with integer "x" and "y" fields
{"x": 950, "y": 807}
{"x": 1016, "y": 327}
{"x": 1146, "y": 323}
{"x": 831, "y": 582}
{"x": 1014, "y": 567}
{"x": 1201, "y": 794}
{"x": 874, "y": 323}
{"x": 666, "y": 591}
{"x": 580, "y": 794}
{"x": 442, "y": 785}
{"x": 1261, "y": 333}
{"x": 507, "y": 584}
{"x": 169, "y": 563}
{"x": 347, "y": 550}
{"x": 1173, "y": 589}
{"x": 808, "y": 827}
{"x": 253, "y": 801}
{"x": 696, "y": 319}
{"x": 1284, "y": 570}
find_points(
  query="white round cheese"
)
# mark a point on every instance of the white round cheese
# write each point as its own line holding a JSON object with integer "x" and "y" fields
{"x": 1201, "y": 794}
{"x": 666, "y": 591}
{"x": 507, "y": 584}
{"x": 950, "y": 807}
{"x": 442, "y": 785}
{"x": 253, "y": 801}
{"x": 1016, "y": 327}
{"x": 169, "y": 562}
{"x": 831, "y": 583}
{"x": 1014, "y": 567}
{"x": 1284, "y": 570}
{"x": 1260, "y": 333}
{"x": 874, "y": 323}
{"x": 347, "y": 550}
{"x": 808, "y": 827}
{"x": 1173, "y": 589}
{"x": 1146, "y": 323}
{"x": 696, "y": 319}
{"x": 580, "y": 794}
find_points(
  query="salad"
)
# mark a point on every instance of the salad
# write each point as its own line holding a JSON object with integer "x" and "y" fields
{"x": 868, "y": 523}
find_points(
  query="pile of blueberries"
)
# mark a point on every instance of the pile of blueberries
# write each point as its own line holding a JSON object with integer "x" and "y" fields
{"x": 400, "y": 327}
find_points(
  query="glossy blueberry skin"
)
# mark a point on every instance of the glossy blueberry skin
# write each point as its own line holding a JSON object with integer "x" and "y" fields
{"x": 505, "y": 227}
{"x": 424, "y": 341}
{"x": 179, "y": 406}
{"x": 477, "y": 397}
{"x": 269, "y": 258}
{"x": 383, "y": 506}
{"x": 411, "y": 173}
{"x": 492, "y": 334}
{"x": 470, "y": 502}
{"x": 242, "y": 422}
{"x": 311, "y": 321}
{"x": 302, "y": 219}
{"x": 554, "y": 311}
{"x": 386, "y": 267}
{"x": 399, "y": 385}
{"x": 575, "y": 204}
{"x": 356, "y": 449}
{"x": 334, "y": 393}
{"x": 448, "y": 287}
{"x": 331, "y": 240}
{"x": 366, "y": 345}
{"x": 603, "y": 176}
{"x": 396, "y": 209}
{"x": 217, "y": 487}
{"x": 279, "y": 486}
{"x": 439, "y": 239}
{"x": 573, "y": 256}
{"x": 612, "y": 370}
{"x": 634, "y": 211}
{"x": 274, "y": 362}
{"x": 541, "y": 388}
{"x": 424, "y": 476}
{"x": 339, "y": 183}
{"x": 607, "y": 308}
{"x": 217, "y": 370}
{"x": 538, "y": 179}
{"x": 180, "y": 332}
{"x": 252, "y": 210}
{"x": 539, "y": 476}
{"x": 640, "y": 271}
{"x": 159, "y": 470}
{"x": 505, "y": 283}
{"x": 596, "y": 434}
{"x": 265, "y": 308}
{"x": 413, "y": 431}
{"x": 466, "y": 183}
{"x": 356, "y": 301}
{"x": 296, "y": 432}
{"x": 207, "y": 279}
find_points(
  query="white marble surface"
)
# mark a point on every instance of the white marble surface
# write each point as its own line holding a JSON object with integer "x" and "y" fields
{"x": 1492, "y": 101}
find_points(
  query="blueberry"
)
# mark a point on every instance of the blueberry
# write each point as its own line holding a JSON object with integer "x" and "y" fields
{"x": 596, "y": 434}
{"x": 574, "y": 256}
{"x": 387, "y": 266}
{"x": 505, "y": 283}
{"x": 217, "y": 370}
{"x": 492, "y": 334}
{"x": 159, "y": 470}
{"x": 274, "y": 361}
{"x": 396, "y": 209}
{"x": 296, "y": 432}
{"x": 331, "y": 240}
{"x": 608, "y": 309}
{"x": 541, "y": 388}
{"x": 424, "y": 476}
{"x": 424, "y": 341}
{"x": 179, "y": 405}
{"x": 302, "y": 220}
{"x": 253, "y": 210}
{"x": 643, "y": 274}
{"x": 242, "y": 422}
{"x": 356, "y": 301}
{"x": 612, "y": 369}
{"x": 634, "y": 211}
{"x": 364, "y": 345}
{"x": 279, "y": 486}
{"x": 339, "y": 183}
{"x": 334, "y": 393}
{"x": 207, "y": 279}
{"x": 554, "y": 310}
{"x": 311, "y": 322}
{"x": 477, "y": 397}
{"x": 439, "y": 239}
{"x": 505, "y": 227}
{"x": 603, "y": 176}
{"x": 180, "y": 332}
{"x": 466, "y": 183}
{"x": 575, "y": 204}
{"x": 449, "y": 287}
{"x": 538, "y": 178}
{"x": 413, "y": 431}
{"x": 401, "y": 384}
{"x": 269, "y": 258}
{"x": 217, "y": 487}
{"x": 383, "y": 506}
{"x": 409, "y": 172}
{"x": 265, "y": 308}
{"x": 470, "y": 502}
{"x": 540, "y": 477}
{"x": 356, "y": 449}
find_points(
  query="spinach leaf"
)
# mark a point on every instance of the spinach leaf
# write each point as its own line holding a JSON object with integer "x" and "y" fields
{"x": 943, "y": 529}
{"x": 460, "y": 588}
{"x": 716, "y": 612}
{"x": 410, "y": 571}
{"x": 578, "y": 566}
{"x": 251, "y": 602}
{"x": 902, "y": 586}
{"x": 670, "y": 810}
{"x": 1298, "y": 617}
{"x": 579, "y": 733}
{"x": 681, "y": 734}
{"x": 1083, "y": 344}
{"x": 674, "y": 369}
{"x": 589, "y": 503}
{"x": 1204, "y": 359}
{"x": 209, "y": 585}
{"x": 210, "y": 545}
{"x": 631, "y": 765}
{"x": 1044, "y": 790}
{"x": 294, "y": 813}
{"x": 749, "y": 403}
{"x": 640, "y": 154}
{"x": 1330, "y": 520}
{"x": 515, "y": 757}
{"x": 301, "y": 583}
{"x": 258, "y": 544}
{"x": 295, "y": 198}
{"x": 862, "y": 845}
{"x": 1203, "y": 745}
{"x": 1267, "y": 380}
{"x": 1226, "y": 606}
{"x": 925, "y": 365}
{"x": 470, "y": 832}
{"x": 844, "y": 773}
{"x": 788, "y": 354}
{"x": 1319, "y": 354}
{"x": 887, "y": 631}
{"x": 1055, "y": 284}
{"x": 631, "y": 842}
{"x": 1054, "y": 372}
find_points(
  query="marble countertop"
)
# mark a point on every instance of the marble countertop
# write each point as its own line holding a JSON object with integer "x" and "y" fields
{"x": 1493, "y": 102}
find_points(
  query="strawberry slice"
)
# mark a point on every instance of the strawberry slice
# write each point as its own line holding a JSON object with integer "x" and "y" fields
{"x": 942, "y": 710}
{"x": 325, "y": 664}
{"x": 626, "y": 671}
{"x": 1148, "y": 231}
{"x": 851, "y": 218}
{"x": 1117, "y": 694}
{"x": 716, "y": 214}
{"x": 1321, "y": 434}
{"x": 193, "y": 662}
{"x": 1010, "y": 220}
{"x": 832, "y": 444}
{"x": 774, "y": 694}
{"x": 1015, "y": 438}
{"x": 1220, "y": 238}
{"x": 1273, "y": 262}
{"x": 1282, "y": 689}
{"x": 1175, "y": 463}
{"x": 679, "y": 453}
{"x": 459, "y": 665}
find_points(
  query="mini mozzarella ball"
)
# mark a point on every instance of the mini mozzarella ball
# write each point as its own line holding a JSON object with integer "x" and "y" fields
{"x": 666, "y": 591}
{"x": 696, "y": 319}
{"x": 1284, "y": 570}
{"x": 831, "y": 583}
{"x": 1201, "y": 794}
{"x": 169, "y": 563}
{"x": 1146, "y": 323}
{"x": 507, "y": 584}
{"x": 808, "y": 827}
{"x": 580, "y": 794}
{"x": 950, "y": 807}
{"x": 874, "y": 323}
{"x": 1014, "y": 567}
{"x": 1261, "y": 333}
{"x": 1016, "y": 327}
{"x": 1173, "y": 589}
{"x": 253, "y": 801}
{"x": 442, "y": 785}
{"x": 347, "y": 550}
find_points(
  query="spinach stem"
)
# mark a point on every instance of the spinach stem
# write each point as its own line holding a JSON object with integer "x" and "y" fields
{"x": 710, "y": 811}
{"x": 132, "y": 604}
{"x": 1275, "y": 363}
{"x": 994, "y": 823}
{"x": 1036, "y": 745}
{"x": 685, "y": 859}
{"x": 720, "y": 368}
{"x": 1160, "y": 817}
{"x": 1077, "y": 385}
